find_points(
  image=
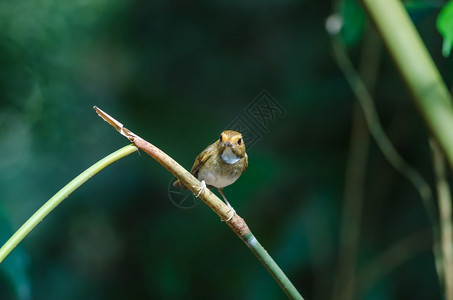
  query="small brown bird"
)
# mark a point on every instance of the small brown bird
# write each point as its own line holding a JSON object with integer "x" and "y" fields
{"x": 221, "y": 163}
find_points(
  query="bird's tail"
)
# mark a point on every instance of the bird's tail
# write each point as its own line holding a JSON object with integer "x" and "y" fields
{"x": 178, "y": 184}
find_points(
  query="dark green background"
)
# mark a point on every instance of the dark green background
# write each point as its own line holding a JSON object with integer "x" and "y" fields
{"x": 177, "y": 73}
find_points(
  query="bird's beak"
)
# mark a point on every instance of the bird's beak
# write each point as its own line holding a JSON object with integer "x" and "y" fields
{"x": 228, "y": 144}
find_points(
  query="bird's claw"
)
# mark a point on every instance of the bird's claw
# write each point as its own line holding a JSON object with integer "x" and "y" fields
{"x": 202, "y": 188}
{"x": 232, "y": 213}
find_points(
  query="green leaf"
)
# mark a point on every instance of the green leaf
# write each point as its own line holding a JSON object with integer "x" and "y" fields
{"x": 446, "y": 47}
{"x": 445, "y": 26}
{"x": 354, "y": 22}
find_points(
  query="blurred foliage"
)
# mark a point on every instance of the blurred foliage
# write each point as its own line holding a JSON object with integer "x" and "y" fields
{"x": 445, "y": 27}
{"x": 177, "y": 73}
{"x": 354, "y": 21}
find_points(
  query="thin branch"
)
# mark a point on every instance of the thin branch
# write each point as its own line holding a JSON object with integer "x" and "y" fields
{"x": 236, "y": 223}
{"x": 344, "y": 285}
{"x": 423, "y": 79}
{"x": 62, "y": 194}
{"x": 445, "y": 213}
{"x": 416, "y": 67}
{"x": 386, "y": 146}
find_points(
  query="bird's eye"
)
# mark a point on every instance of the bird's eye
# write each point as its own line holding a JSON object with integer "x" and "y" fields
{"x": 239, "y": 141}
{"x": 220, "y": 138}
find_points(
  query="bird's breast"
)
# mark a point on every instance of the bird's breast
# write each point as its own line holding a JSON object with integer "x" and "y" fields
{"x": 219, "y": 174}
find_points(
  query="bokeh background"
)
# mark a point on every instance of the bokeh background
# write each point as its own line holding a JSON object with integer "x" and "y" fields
{"x": 177, "y": 73}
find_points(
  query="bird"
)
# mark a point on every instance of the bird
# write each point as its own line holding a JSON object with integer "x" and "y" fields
{"x": 220, "y": 164}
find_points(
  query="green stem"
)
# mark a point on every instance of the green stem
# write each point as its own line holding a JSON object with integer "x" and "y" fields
{"x": 386, "y": 146}
{"x": 62, "y": 194}
{"x": 280, "y": 277}
{"x": 445, "y": 213}
{"x": 417, "y": 68}
{"x": 356, "y": 164}
{"x": 235, "y": 222}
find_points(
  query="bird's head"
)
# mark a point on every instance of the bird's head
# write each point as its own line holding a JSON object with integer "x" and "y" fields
{"x": 231, "y": 146}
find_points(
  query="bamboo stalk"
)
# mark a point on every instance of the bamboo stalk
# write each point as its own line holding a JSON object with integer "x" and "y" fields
{"x": 236, "y": 223}
{"x": 417, "y": 68}
{"x": 424, "y": 82}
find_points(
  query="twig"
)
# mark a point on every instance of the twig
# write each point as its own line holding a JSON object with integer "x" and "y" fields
{"x": 429, "y": 92}
{"x": 386, "y": 146}
{"x": 345, "y": 278}
{"x": 237, "y": 224}
{"x": 445, "y": 213}
{"x": 416, "y": 67}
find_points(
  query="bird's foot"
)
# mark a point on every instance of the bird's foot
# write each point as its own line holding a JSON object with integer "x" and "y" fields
{"x": 232, "y": 212}
{"x": 202, "y": 188}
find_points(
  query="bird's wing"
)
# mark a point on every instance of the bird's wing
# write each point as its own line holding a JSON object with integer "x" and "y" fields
{"x": 246, "y": 162}
{"x": 201, "y": 159}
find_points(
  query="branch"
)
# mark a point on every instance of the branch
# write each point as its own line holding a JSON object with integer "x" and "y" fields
{"x": 62, "y": 194}
{"x": 422, "y": 78}
{"x": 351, "y": 218}
{"x": 236, "y": 223}
{"x": 445, "y": 213}
{"x": 417, "y": 68}
{"x": 386, "y": 146}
